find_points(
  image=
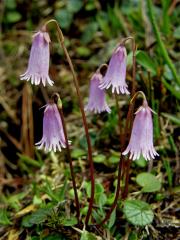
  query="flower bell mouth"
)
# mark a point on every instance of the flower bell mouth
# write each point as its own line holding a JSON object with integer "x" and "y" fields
{"x": 53, "y": 134}
{"x": 38, "y": 65}
{"x": 141, "y": 140}
{"x": 116, "y": 73}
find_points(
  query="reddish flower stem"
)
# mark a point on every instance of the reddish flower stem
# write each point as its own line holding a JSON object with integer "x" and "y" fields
{"x": 119, "y": 120}
{"x": 71, "y": 166}
{"x": 128, "y": 123}
{"x": 129, "y": 128}
{"x": 57, "y": 99}
{"x": 120, "y": 167}
{"x": 61, "y": 40}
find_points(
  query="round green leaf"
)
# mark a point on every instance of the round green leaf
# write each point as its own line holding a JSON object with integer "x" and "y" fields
{"x": 76, "y": 153}
{"x": 69, "y": 221}
{"x": 113, "y": 159}
{"x": 100, "y": 158}
{"x": 148, "y": 181}
{"x": 36, "y": 217}
{"x": 138, "y": 212}
{"x": 83, "y": 51}
{"x": 141, "y": 162}
{"x": 13, "y": 17}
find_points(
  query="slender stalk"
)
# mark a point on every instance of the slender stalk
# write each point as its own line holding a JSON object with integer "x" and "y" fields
{"x": 57, "y": 100}
{"x": 61, "y": 40}
{"x": 136, "y": 94}
{"x": 150, "y": 89}
{"x": 118, "y": 188}
{"x": 128, "y": 122}
{"x": 126, "y": 188}
{"x": 134, "y": 69}
{"x": 160, "y": 42}
{"x": 120, "y": 167}
{"x": 130, "y": 118}
{"x": 134, "y": 62}
{"x": 129, "y": 127}
{"x": 119, "y": 118}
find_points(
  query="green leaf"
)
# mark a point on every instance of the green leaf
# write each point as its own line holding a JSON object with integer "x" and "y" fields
{"x": 10, "y": 4}
{"x": 141, "y": 162}
{"x": 37, "y": 200}
{"x": 74, "y": 5}
{"x": 114, "y": 159}
{"x": 83, "y": 51}
{"x": 167, "y": 73}
{"x": 177, "y": 33}
{"x": 4, "y": 220}
{"x": 133, "y": 236}
{"x": 54, "y": 236}
{"x": 87, "y": 186}
{"x": 100, "y": 158}
{"x": 13, "y": 17}
{"x": 110, "y": 199}
{"x": 36, "y": 218}
{"x": 88, "y": 236}
{"x": 102, "y": 19}
{"x": 172, "y": 118}
{"x": 69, "y": 221}
{"x": 64, "y": 18}
{"x": 89, "y": 32}
{"x": 138, "y": 212}
{"x": 61, "y": 192}
{"x": 169, "y": 172}
{"x": 112, "y": 219}
{"x": 148, "y": 181}
{"x": 171, "y": 88}
{"x": 29, "y": 161}
{"x": 84, "y": 210}
{"x": 166, "y": 18}
{"x": 144, "y": 60}
{"x": 161, "y": 45}
{"x": 76, "y": 153}
{"x": 71, "y": 193}
{"x": 100, "y": 199}
{"x": 98, "y": 188}
{"x": 114, "y": 20}
{"x": 56, "y": 195}
{"x": 14, "y": 201}
{"x": 159, "y": 197}
{"x": 90, "y": 5}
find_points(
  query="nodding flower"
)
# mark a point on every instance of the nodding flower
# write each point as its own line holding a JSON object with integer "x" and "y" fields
{"x": 116, "y": 72}
{"x": 97, "y": 101}
{"x": 38, "y": 66}
{"x": 53, "y": 135}
{"x": 141, "y": 140}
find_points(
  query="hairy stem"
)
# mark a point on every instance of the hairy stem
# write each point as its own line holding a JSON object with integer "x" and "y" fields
{"x": 61, "y": 40}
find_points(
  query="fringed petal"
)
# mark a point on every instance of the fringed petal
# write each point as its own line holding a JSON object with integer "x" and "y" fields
{"x": 141, "y": 140}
